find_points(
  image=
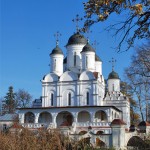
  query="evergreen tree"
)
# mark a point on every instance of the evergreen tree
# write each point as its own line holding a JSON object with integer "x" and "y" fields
{"x": 9, "y": 103}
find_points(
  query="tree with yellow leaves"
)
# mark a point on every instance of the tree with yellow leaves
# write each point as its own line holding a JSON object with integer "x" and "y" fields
{"x": 134, "y": 26}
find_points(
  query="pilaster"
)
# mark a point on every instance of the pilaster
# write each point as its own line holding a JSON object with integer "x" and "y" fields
{"x": 36, "y": 117}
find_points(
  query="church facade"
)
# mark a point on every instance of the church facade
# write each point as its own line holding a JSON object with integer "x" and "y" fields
{"x": 77, "y": 100}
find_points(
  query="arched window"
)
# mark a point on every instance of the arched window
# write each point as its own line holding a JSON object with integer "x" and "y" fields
{"x": 75, "y": 61}
{"x": 115, "y": 115}
{"x": 69, "y": 99}
{"x": 86, "y": 61}
{"x": 87, "y": 98}
{"x": 113, "y": 87}
{"x": 54, "y": 64}
{"x": 52, "y": 99}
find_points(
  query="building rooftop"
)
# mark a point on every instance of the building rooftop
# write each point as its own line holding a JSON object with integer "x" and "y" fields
{"x": 8, "y": 117}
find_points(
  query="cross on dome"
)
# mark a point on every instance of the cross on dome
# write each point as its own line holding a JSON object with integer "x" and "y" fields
{"x": 94, "y": 44}
{"x": 77, "y": 20}
{"x": 57, "y": 35}
{"x": 88, "y": 34}
{"x": 113, "y": 61}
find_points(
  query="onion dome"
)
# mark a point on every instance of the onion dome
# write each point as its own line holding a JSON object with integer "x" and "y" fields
{"x": 88, "y": 48}
{"x": 144, "y": 123}
{"x": 56, "y": 50}
{"x": 97, "y": 58}
{"x": 113, "y": 75}
{"x": 77, "y": 38}
{"x": 65, "y": 60}
{"x": 118, "y": 122}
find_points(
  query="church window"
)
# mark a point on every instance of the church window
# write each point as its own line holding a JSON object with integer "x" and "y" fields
{"x": 115, "y": 115}
{"x": 86, "y": 61}
{"x": 75, "y": 61}
{"x": 113, "y": 87}
{"x": 87, "y": 98}
{"x": 52, "y": 99}
{"x": 55, "y": 64}
{"x": 69, "y": 99}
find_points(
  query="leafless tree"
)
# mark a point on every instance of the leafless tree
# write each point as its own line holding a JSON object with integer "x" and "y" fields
{"x": 23, "y": 98}
{"x": 138, "y": 76}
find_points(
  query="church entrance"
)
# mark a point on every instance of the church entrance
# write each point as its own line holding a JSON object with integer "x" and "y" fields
{"x": 45, "y": 117}
{"x": 64, "y": 119}
{"x": 29, "y": 117}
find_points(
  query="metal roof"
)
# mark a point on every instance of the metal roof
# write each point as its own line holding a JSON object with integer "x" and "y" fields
{"x": 8, "y": 117}
{"x": 77, "y": 38}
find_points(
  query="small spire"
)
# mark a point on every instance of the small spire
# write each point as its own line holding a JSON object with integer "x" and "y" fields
{"x": 77, "y": 20}
{"x": 57, "y": 35}
{"x": 94, "y": 44}
{"x": 113, "y": 61}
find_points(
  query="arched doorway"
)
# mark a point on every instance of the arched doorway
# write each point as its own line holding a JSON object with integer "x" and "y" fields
{"x": 137, "y": 142}
{"x": 100, "y": 143}
{"x": 29, "y": 117}
{"x": 64, "y": 119}
{"x": 100, "y": 116}
{"x": 84, "y": 116}
{"x": 45, "y": 117}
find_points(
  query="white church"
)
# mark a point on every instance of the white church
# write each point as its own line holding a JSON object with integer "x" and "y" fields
{"x": 77, "y": 100}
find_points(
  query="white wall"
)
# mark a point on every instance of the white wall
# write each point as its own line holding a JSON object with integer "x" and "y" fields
{"x": 71, "y": 50}
{"x": 98, "y": 67}
{"x": 113, "y": 85}
{"x": 88, "y": 61}
{"x": 57, "y": 64}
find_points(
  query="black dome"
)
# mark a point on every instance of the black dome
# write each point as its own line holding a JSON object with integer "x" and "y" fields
{"x": 97, "y": 58}
{"x": 56, "y": 50}
{"x": 87, "y": 48}
{"x": 77, "y": 38}
{"x": 65, "y": 60}
{"x": 113, "y": 75}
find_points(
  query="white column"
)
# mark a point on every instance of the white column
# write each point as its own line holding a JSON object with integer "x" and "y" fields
{"x": 58, "y": 94}
{"x": 36, "y": 117}
{"x": 75, "y": 116}
{"x": 54, "y": 115}
{"x": 21, "y": 118}
{"x": 92, "y": 115}
{"x": 77, "y": 102}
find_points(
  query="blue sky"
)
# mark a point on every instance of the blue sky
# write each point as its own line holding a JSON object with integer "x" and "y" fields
{"x": 27, "y": 28}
